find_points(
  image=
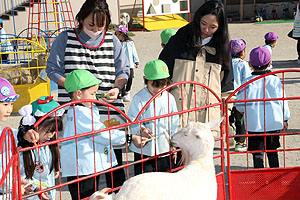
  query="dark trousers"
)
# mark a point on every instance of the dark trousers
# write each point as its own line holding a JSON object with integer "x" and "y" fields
{"x": 298, "y": 48}
{"x": 86, "y": 187}
{"x": 129, "y": 81}
{"x": 118, "y": 175}
{"x": 236, "y": 118}
{"x": 258, "y": 160}
{"x": 163, "y": 164}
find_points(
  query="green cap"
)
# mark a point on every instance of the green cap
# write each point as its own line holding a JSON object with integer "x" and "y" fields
{"x": 79, "y": 79}
{"x": 156, "y": 69}
{"x": 43, "y": 105}
{"x": 166, "y": 35}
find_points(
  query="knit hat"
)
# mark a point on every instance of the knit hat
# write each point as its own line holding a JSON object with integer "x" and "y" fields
{"x": 270, "y": 36}
{"x": 7, "y": 92}
{"x": 156, "y": 69}
{"x": 166, "y": 35}
{"x": 39, "y": 108}
{"x": 237, "y": 45}
{"x": 122, "y": 28}
{"x": 79, "y": 79}
{"x": 260, "y": 56}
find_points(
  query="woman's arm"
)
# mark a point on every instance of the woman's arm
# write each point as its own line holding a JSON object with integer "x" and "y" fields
{"x": 55, "y": 64}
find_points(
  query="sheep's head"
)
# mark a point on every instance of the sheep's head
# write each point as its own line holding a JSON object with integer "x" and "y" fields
{"x": 196, "y": 138}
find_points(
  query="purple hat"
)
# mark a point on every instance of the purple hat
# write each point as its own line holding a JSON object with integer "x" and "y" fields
{"x": 7, "y": 92}
{"x": 122, "y": 28}
{"x": 237, "y": 45}
{"x": 271, "y": 36}
{"x": 260, "y": 56}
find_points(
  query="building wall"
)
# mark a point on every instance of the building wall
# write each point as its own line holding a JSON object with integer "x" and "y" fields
{"x": 21, "y": 20}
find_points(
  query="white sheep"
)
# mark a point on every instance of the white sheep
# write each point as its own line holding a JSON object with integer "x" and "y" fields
{"x": 196, "y": 181}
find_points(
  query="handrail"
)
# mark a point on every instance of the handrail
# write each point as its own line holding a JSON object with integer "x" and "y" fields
{"x": 7, "y": 5}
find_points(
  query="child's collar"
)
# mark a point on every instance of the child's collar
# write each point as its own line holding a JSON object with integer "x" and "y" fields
{"x": 261, "y": 72}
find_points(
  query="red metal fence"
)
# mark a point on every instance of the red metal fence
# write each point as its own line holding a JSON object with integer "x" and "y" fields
{"x": 244, "y": 182}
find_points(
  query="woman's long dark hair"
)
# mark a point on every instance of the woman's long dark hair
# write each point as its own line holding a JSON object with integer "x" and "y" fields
{"x": 98, "y": 8}
{"x": 220, "y": 37}
{"x": 48, "y": 125}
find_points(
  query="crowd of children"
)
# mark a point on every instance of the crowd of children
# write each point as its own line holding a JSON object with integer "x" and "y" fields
{"x": 83, "y": 156}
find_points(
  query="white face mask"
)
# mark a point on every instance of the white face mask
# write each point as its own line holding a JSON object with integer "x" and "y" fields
{"x": 92, "y": 34}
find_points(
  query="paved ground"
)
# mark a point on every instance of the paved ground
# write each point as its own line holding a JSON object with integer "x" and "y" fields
{"x": 284, "y": 57}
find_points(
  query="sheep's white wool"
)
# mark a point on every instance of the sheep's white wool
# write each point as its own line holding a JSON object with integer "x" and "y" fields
{"x": 196, "y": 181}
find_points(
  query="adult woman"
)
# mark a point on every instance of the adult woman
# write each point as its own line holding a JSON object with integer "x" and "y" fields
{"x": 200, "y": 52}
{"x": 91, "y": 47}
{"x": 296, "y": 31}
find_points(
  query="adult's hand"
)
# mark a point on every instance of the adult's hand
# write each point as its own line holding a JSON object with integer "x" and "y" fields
{"x": 112, "y": 95}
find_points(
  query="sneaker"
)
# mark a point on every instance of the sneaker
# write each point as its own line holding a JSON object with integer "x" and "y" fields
{"x": 126, "y": 97}
{"x": 298, "y": 61}
{"x": 240, "y": 147}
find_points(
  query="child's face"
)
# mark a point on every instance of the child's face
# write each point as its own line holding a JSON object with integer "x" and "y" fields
{"x": 5, "y": 110}
{"x": 152, "y": 89}
{"x": 45, "y": 136}
{"x": 89, "y": 93}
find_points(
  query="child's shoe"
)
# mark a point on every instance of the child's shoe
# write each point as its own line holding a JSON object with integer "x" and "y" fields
{"x": 126, "y": 97}
{"x": 240, "y": 147}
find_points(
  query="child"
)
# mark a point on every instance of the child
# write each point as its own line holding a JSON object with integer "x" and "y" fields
{"x": 241, "y": 71}
{"x": 128, "y": 45}
{"x": 7, "y": 99}
{"x": 156, "y": 77}
{"x": 41, "y": 164}
{"x": 270, "y": 43}
{"x": 166, "y": 35}
{"x": 6, "y": 46}
{"x": 263, "y": 117}
{"x": 91, "y": 153}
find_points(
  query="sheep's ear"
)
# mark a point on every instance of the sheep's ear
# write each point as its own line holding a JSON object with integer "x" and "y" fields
{"x": 214, "y": 123}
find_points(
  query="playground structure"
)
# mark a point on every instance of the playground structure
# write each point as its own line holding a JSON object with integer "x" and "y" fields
{"x": 46, "y": 19}
{"x": 266, "y": 183}
{"x": 159, "y": 14}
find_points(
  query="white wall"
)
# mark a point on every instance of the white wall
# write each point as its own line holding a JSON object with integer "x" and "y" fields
{"x": 21, "y": 20}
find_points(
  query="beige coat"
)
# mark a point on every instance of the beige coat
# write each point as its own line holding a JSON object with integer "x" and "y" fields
{"x": 207, "y": 73}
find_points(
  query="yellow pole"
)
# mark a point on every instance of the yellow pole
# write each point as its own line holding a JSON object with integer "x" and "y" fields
{"x": 241, "y": 10}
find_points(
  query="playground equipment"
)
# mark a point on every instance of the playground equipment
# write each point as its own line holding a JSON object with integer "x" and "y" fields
{"x": 25, "y": 69}
{"x": 51, "y": 16}
{"x": 160, "y": 14}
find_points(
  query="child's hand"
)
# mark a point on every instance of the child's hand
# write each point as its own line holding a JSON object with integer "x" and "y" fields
{"x": 285, "y": 125}
{"x": 137, "y": 66}
{"x": 56, "y": 174}
{"x": 112, "y": 95}
{"x": 139, "y": 141}
{"x": 146, "y": 132}
{"x": 31, "y": 136}
{"x": 45, "y": 195}
{"x": 23, "y": 184}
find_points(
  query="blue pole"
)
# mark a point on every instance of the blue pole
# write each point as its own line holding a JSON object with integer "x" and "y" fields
{"x": 13, "y": 12}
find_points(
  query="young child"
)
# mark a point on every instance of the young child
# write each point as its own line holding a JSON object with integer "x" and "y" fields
{"x": 7, "y": 99}
{"x": 40, "y": 164}
{"x": 260, "y": 117}
{"x": 166, "y": 35}
{"x": 241, "y": 71}
{"x": 6, "y": 46}
{"x": 131, "y": 53}
{"x": 156, "y": 77}
{"x": 270, "y": 42}
{"x": 89, "y": 154}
